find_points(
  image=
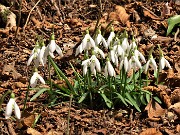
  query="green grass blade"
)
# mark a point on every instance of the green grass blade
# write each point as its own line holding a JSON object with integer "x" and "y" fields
{"x": 83, "y": 97}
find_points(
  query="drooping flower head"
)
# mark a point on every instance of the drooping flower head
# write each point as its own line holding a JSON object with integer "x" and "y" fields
{"x": 10, "y": 106}
{"x": 52, "y": 46}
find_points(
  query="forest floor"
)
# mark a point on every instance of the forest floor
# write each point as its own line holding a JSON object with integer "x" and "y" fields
{"x": 147, "y": 20}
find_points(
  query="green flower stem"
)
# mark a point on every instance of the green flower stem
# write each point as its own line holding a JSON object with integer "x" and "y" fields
{"x": 25, "y": 101}
{"x": 140, "y": 79}
{"x": 2, "y": 98}
{"x": 125, "y": 83}
{"x": 134, "y": 81}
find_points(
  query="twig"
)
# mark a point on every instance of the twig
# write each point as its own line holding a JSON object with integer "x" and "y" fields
{"x": 30, "y": 14}
{"x": 19, "y": 19}
{"x": 149, "y": 11}
{"x": 175, "y": 35}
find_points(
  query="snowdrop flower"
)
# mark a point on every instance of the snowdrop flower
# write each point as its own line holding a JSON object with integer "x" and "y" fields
{"x": 86, "y": 44}
{"x": 93, "y": 63}
{"x": 110, "y": 38}
{"x": 139, "y": 54}
{"x": 100, "y": 39}
{"x": 10, "y": 106}
{"x": 134, "y": 63}
{"x": 163, "y": 63}
{"x": 34, "y": 79}
{"x": 124, "y": 63}
{"x": 109, "y": 70}
{"x": 52, "y": 46}
{"x": 133, "y": 44}
{"x": 42, "y": 56}
{"x": 98, "y": 50}
{"x": 118, "y": 49}
{"x": 151, "y": 62}
{"x": 125, "y": 44}
{"x": 34, "y": 55}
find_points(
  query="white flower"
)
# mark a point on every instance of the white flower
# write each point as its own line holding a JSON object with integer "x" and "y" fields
{"x": 118, "y": 49}
{"x": 124, "y": 63}
{"x": 34, "y": 56}
{"x": 134, "y": 63}
{"x": 42, "y": 56}
{"x": 109, "y": 70}
{"x": 93, "y": 63}
{"x": 34, "y": 79}
{"x": 139, "y": 54}
{"x": 98, "y": 50}
{"x": 86, "y": 44}
{"x": 162, "y": 63}
{"x": 52, "y": 46}
{"x": 9, "y": 108}
{"x": 110, "y": 38}
{"x": 133, "y": 45}
{"x": 153, "y": 64}
{"x": 125, "y": 44}
{"x": 100, "y": 39}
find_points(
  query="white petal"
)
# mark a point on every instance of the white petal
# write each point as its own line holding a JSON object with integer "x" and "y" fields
{"x": 125, "y": 44}
{"x": 92, "y": 66}
{"x": 84, "y": 41}
{"x": 33, "y": 80}
{"x": 41, "y": 55}
{"x": 85, "y": 62}
{"x": 120, "y": 51}
{"x": 125, "y": 64}
{"x": 52, "y": 46}
{"x": 17, "y": 111}
{"x": 101, "y": 53}
{"x": 98, "y": 66}
{"x": 9, "y": 108}
{"x": 41, "y": 79}
{"x": 154, "y": 64}
{"x": 137, "y": 62}
{"x": 110, "y": 38}
{"x": 142, "y": 57}
{"x": 59, "y": 51}
{"x": 51, "y": 54}
{"x": 110, "y": 69}
{"x": 147, "y": 66}
{"x": 130, "y": 64}
{"x": 30, "y": 59}
{"x": 104, "y": 42}
{"x": 98, "y": 39}
{"x": 167, "y": 64}
{"x": 85, "y": 69}
{"x": 161, "y": 64}
{"x": 92, "y": 42}
{"x": 112, "y": 56}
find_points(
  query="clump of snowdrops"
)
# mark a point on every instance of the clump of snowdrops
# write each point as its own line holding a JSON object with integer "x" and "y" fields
{"x": 111, "y": 73}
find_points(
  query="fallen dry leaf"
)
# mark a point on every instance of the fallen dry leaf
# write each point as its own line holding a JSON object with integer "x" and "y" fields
{"x": 178, "y": 128}
{"x": 151, "y": 131}
{"x": 32, "y": 131}
{"x": 154, "y": 110}
{"x": 148, "y": 14}
{"x": 9, "y": 70}
{"x": 119, "y": 15}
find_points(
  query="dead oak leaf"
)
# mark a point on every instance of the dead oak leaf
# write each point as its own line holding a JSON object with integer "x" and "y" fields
{"x": 151, "y": 131}
{"x": 10, "y": 70}
{"x": 154, "y": 110}
{"x": 32, "y": 131}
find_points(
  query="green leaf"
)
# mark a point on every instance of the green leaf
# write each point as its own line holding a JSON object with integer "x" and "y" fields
{"x": 61, "y": 74}
{"x": 143, "y": 101}
{"x": 38, "y": 93}
{"x": 121, "y": 98}
{"x": 107, "y": 101}
{"x": 132, "y": 101}
{"x": 172, "y": 22}
{"x": 157, "y": 99}
{"x": 148, "y": 97}
{"x": 83, "y": 97}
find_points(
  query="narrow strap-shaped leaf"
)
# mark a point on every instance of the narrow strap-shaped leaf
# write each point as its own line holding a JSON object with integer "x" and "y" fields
{"x": 132, "y": 101}
{"x": 83, "y": 97}
{"x": 107, "y": 101}
{"x": 121, "y": 98}
{"x": 38, "y": 93}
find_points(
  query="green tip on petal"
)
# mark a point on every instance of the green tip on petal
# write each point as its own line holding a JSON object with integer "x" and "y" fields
{"x": 12, "y": 95}
{"x": 112, "y": 29}
{"x": 87, "y": 31}
{"x": 52, "y": 37}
